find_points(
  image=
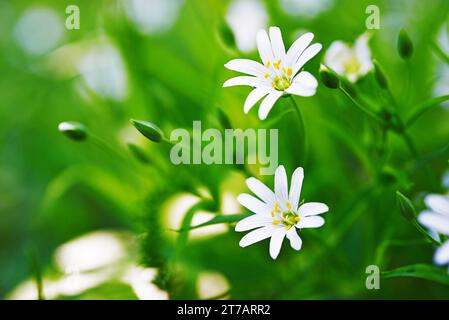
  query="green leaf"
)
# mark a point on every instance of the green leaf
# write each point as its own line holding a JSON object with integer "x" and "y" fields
{"x": 421, "y": 271}
{"x": 424, "y": 107}
{"x": 219, "y": 219}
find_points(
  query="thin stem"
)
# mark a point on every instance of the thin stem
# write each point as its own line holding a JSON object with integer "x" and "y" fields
{"x": 424, "y": 233}
{"x": 440, "y": 52}
{"x": 365, "y": 110}
{"x": 301, "y": 128}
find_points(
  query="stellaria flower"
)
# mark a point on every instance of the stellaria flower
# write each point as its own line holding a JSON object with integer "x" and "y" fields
{"x": 436, "y": 218}
{"x": 278, "y": 75}
{"x": 351, "y": 62}
{"x": 278, "y": 214}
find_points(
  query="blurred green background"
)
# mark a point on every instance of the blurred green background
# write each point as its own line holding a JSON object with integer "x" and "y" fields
{"x": 162, "y": 61}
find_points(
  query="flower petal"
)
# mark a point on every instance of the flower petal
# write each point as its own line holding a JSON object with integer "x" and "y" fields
{"x": 295, "y": 187}
{"x": 253, "y": 204}
{"x": 276, "y": 241}
{"x": 442, "y": 254}
{"x": 435, "y": 221}
{"x": 243, "y": 81}
{"x": 253, "y": 97}
{"x": 363, "y": 53}
{"x": 308, "y": 54}
{"x": 310, "y": 222}
{"x": 268, "y": 103}
{"x": 438, "y": 203}
{"x": 246, "y": 66}
{"x": 264, "y": 47}
{"x": 295, "y": 240}
{"x": 304, "y": 84}
{"x": 252, "y": 222}
{"x": 337, "y": 52}
{"x": 257, "y": 235}
{"x": 281, "y": 185}
{"x": 277, "y": 44}
{"x": 312, "y": 208}
{"x": 298, "y": 48}
{"x": 261, "y": 190}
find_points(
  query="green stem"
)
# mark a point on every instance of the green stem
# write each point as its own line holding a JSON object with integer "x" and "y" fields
{"x": 365, "y": 110}
{"x": 301, "y": 128}
{"x": 440, "y": 52}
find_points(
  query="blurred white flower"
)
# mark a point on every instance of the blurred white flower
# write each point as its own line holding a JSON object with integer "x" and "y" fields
{"x": 246, "y": 17}
{"x": 278, "y": 75}
{"x": 140, "y": 279}
{"x": 441, "y": 86}
{"x": 211, "y": 284}
{"x": 153, "y": 16}
{"x": 351, "y": 62}
{"x": 91, "y": 251}
{"x": 436, "y": 218}
{"x": 39, "y": 30}
{"x": 278, "y": 214}
{"x": 305, "y": 8}
{"x": 104, "y": 72}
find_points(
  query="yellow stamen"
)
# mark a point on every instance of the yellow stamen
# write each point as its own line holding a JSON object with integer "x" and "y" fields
{"x": 289, "y": 72}
{"x": 275, "y": 222}
{"x": 266, "y": 76}
{"x": 268, "y": 64}
{"x": 288, "y": 227}
{"x": 289, "y": 206}
{"x": 277, "y": 64}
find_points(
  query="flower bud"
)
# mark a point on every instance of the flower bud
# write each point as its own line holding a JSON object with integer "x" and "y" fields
{"x": 148, "y": 130}
{"x": 380, "y": 76}
{"x": 73, "y": 130}
{"x": 405, "y": 45}
{"x": 329, "y": 77}
{"x": 405, "y": 206}
{"x": 225, "y": 35}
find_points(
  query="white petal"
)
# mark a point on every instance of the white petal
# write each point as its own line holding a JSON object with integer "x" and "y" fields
{"x": 276, "y": 241}
{"x": 253, "y": 204}
{"x": 257, "y": 235}
{"x": 261, "y": 190}
{"x": 268, "y": 103}
{"x": 277, "y": 44}
{"x": 264, "y": 47}
{"x": 295, "y": 187}
{"x": 435, "y": 221}
{"x": 304, "y": 84}
{"x": 246, "y": 66}
{"x": 438, "y": 203}
{"x": 243, "y": 81}
{"x": 312, "y": 208}
{"x": 280, "y": 184}
{"x": 253, "y": 97}
{"x": 310, "y": 222}
{"x": 252, "y": 222}
{"x": 295, "y": 240}
{"x": 308, "y": 54}
{"x": 337, "y": 52}
{"x": 442, "y": 254}
{"x": 363, "y": 53}
{"x": 298, "y": 48}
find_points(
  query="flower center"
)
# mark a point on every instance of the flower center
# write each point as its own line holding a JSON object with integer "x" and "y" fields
{"x": 282, "y": 76}
{"x": 352, "y": 65}
{"x": 287, "y": 218}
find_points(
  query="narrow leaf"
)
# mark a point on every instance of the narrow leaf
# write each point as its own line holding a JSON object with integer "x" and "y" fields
{"x": 421, "y": 271}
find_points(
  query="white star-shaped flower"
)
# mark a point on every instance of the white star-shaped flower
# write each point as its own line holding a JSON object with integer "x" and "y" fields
{"x": 436, "y": 218}
{"x": 278, "y": 75}
{"x": 278, "y": 214}
{"x": 351, "y": 62}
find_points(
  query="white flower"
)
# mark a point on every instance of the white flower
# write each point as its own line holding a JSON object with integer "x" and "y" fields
{"x": 278, "y": 74}
{"x": 278, "y": 214}
{"x": 437, "y": 218}
{"x": 351, "y": 62}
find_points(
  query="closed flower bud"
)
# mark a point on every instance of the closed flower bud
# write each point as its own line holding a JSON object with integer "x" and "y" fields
{"x": 73, "y": 130}
{"x": 380, "y": 76}
{"x": 405, "y": 206}
{"x": 405, "y": 45}
{"x": 149, "y": 130}
{"x": 329, "y": 78}
{"x": 225, "y": 35}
